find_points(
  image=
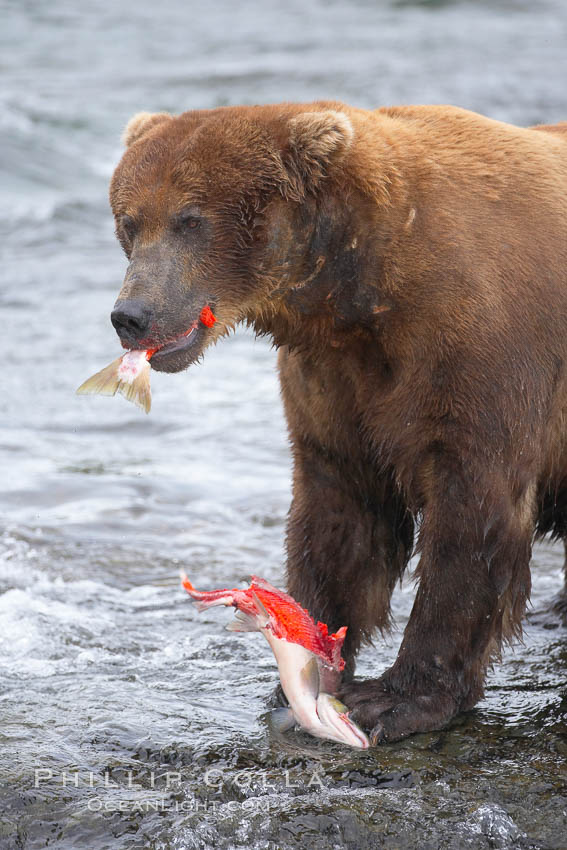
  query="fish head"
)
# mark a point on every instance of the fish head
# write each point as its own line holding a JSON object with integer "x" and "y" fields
{"x": 336, "y": 723}
{"x": 316, "y": 711}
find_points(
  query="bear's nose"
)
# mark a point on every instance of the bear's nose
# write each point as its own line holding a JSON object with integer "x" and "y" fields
{"x": 131, "y": 318}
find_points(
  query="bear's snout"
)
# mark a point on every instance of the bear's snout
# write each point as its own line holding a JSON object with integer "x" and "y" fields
{"x": 131, "y": 318}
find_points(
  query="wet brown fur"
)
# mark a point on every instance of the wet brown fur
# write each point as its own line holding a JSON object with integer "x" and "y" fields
{"x": 410, "y": 263}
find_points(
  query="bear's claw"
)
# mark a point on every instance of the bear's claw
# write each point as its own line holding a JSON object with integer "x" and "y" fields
{"x": 391, "y": 717}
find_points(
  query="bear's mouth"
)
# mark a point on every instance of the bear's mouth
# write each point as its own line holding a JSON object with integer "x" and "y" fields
{"x": 181, "y": 351}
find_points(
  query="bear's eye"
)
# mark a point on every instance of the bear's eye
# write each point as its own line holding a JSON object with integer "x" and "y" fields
{"x": 128, "y": 227}
{"x": 188, "y": 220}
{"x": 126, "y": 230}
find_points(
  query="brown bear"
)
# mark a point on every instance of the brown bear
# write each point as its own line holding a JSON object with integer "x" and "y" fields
{"x": 411, "y": 265}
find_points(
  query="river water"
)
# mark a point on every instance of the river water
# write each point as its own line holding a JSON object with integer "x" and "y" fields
{"x": 127, "y": 719}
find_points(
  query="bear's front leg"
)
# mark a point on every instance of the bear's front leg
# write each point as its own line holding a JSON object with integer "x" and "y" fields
{"x": 474, "y": 581}
{"x": 348, "y": 542}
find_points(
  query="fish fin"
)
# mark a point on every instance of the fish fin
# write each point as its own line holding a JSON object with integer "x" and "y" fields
{"x": 310, "y": 677}
{"x": 109, "y": 382}
{"x": 337, "y": 639}
{"x": 282, "y": 719}
{"x": 242, "y": 623}
{"x": 138, "y": 391}
{"x": 104, "y": 382}
{"x": 337, "y": 723}
{"x": 261, "y": 609}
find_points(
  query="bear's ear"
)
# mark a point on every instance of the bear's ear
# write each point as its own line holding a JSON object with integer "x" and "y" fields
{"x": 317, "y": 140}
{"x": 139, "y": 125}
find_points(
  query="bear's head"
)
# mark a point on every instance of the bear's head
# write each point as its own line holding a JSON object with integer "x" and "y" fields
{"x": 221, "y": 208}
